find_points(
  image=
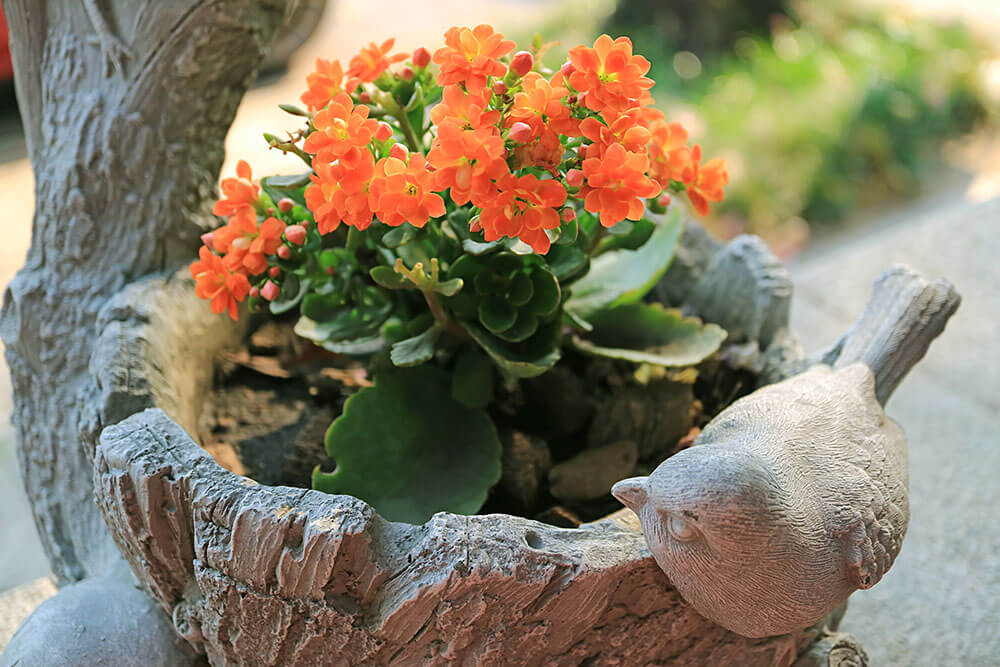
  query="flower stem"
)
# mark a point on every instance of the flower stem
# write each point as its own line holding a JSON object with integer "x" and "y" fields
{"x": 441, "y": 318}
{"x": 412, "y": 141}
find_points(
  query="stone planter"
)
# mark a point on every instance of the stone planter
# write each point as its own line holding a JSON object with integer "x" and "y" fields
{"x": 252, "y": 574}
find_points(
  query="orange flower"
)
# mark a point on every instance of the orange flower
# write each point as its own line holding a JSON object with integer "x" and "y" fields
{"x": 616, "y": 184}
{"x": 338, "y": 194}
{"x": 343, "y": 132}
{"x": 545, "y": 151}
{"x": 471, "y": 56}
{"x": 467, "y": 162}
{"x": 468, "y": 110}
{"x": 246, "y": 244}
{"x": 626, "y": 129}
{"x": 213, "y": 281}
{"x": 401, "y": 192}
{"x": 706, "y": 182}
{"x": 609, "y": 75}
{"x": 372, "y": 60}
{"x": 324, "y": 84}
{"x": 239, "y": 195}
{"x": 669, "y": 154}
{"x": 524, "y": 208}
{"x": 540, "y": 105}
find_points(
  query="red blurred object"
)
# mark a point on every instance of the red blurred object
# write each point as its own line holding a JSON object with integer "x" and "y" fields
{"x": 6, "y": 67}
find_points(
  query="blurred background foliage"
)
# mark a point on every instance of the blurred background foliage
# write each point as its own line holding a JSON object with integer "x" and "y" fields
{"x": 819, "y": 107}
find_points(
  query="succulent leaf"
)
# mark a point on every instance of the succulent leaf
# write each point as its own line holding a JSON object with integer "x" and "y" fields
{"x": 424, "y": 453}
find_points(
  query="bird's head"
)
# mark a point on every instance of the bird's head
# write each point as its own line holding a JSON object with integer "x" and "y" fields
{"x": 718, "y": 522}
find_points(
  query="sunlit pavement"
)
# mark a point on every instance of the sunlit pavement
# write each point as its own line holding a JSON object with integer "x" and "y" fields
{"x": 946, "y": 583}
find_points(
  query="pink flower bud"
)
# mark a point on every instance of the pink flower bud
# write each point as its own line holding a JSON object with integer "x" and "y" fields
{"x": 384, "y": 131}
{"x": 296, "y": 234}
{"x": 407, "y": 73}
{"x": 305, "y": 223}
{"x": 284, "y": 252}
{"x": 399, "y": 152}
{"x": 207, "y": 239}
{"x": 274, "y": 272}
{"x": 663, "y": 200}
{"x": 254, "y": 292}
{"x": 519, "y": 132}
{"x": 286, "y": 205}
{"x": 365, "y": 97}
{"x": 571, "y": 100}
{"x": 270, "y": 291}
{"x": 521, "y": 63}
{"x": 574, "y": 178}
{"x": 567, "y": 69}
{"x": 270, "y": 210}
{"x": 421, "y": 57}
{"x": 500, "y": 88}
{"x": 568, "y": 214}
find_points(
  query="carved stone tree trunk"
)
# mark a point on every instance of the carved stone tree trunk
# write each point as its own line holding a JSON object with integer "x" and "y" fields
{"x": 126, "y": 105}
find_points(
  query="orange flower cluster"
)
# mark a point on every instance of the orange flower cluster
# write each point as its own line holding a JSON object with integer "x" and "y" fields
{"x": 471, "y": 56}
{"x": 516, "y": 145}
{"x": 349, "y": 186}
{"x": 240, "y": 248}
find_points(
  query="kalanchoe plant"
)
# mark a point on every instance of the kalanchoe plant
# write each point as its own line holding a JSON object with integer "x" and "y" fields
{"x": 469, "y": 221}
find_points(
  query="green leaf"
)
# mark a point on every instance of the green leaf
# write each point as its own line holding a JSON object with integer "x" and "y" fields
{"x": 576, "y": 322}
{"x": 399, "y": 235}
{"x": 528, "y": 360}
{"x": 476, "y": 248}
{"x": 388, "y": 278}
{"x": 567, "y": 263}
{"x": 422, "y": 452}
{"x": 522, "y": 328}
{"x": 623, "y": 228}
{"x": 292, "y": 292}
{"x": 624, "y": 276}
{"x": 288, "y": 182}
{"x": 472, "y": 378}
{"x": 450, "y": 287}
{"x": 521, "y": 290}
{"x": 568, "y": 231}
{"x": 279, "y": 187}
{"x": 496, "y": 314}
{"x": 652, "y": 334}
{"x": 546, "y": 295}
{"x": 336, "y": 320}
{"x": 308, "y": 329}
{"x": 639, "y": 234}
{"x": 415, "y": 351}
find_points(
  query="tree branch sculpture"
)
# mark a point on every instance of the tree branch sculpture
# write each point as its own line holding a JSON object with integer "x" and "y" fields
{"x": 125, "y": 107}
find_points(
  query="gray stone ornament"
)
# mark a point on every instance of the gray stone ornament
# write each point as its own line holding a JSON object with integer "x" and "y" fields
{"x": 796, "y": 495}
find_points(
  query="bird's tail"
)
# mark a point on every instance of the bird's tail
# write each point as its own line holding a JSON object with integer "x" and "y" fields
{"x": 905, "y": 313}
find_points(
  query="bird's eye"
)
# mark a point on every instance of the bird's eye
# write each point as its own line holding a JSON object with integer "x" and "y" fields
{"x": 681, "y": 529}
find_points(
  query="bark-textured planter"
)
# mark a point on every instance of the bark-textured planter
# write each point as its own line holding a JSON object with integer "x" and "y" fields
{"x": 253, "y": 574}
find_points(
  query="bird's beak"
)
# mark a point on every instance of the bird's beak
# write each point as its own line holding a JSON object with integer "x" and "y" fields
{"x": 631, "y": 492}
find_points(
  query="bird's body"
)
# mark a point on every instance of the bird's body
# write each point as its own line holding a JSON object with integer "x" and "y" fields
{"x": 796, "y": 495}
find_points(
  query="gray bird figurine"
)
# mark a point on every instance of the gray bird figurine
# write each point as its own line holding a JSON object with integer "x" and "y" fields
{"x": 796, "y": 495}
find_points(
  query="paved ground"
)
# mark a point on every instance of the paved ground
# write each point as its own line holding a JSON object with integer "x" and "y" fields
{"x": 940, "y": 604}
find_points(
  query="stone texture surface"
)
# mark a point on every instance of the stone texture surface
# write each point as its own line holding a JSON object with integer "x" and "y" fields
{"x": 941, "y": 601}
{"x": 98, "y": 622}
{"x": 18, "y": 603}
